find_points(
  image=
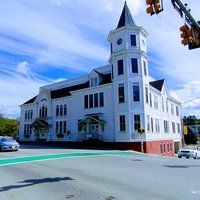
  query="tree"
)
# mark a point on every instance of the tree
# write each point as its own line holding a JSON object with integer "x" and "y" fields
{"x": 190, "y": 120}
{"x": 8, "y": 126}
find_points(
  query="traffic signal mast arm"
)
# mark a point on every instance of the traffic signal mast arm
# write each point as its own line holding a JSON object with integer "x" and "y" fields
{"x": 178, "y": 5}
{"x": 190, "y": 30}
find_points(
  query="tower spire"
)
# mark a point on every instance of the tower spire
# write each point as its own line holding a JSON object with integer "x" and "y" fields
{"x": 125, "y": 18}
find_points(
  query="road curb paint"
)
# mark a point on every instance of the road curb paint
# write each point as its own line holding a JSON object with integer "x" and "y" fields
{"x": 18, "y": 160}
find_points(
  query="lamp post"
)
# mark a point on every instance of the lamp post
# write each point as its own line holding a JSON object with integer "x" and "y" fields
{"x": 141, "y": 131}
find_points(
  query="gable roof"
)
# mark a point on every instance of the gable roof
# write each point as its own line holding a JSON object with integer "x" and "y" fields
{"x": 63, "y": 92}
{"x": 30, "y": 100}
{"x": 106, "y": 79}
{"x": 157, "y": 84}
{"x": 125, "y": 18}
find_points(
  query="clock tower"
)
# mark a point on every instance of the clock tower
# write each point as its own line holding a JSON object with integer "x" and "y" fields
{"x": 128, "y": 60}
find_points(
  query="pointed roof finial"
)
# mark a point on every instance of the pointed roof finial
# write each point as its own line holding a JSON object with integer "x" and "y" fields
{"x": 126, "y": 18}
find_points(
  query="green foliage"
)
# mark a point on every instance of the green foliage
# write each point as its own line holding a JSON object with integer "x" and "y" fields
{"x": 190, "y": 120}
{"x": 8, "y": 126}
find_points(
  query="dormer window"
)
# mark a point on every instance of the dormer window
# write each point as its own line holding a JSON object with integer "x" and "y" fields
{"x": 94, "y": 81}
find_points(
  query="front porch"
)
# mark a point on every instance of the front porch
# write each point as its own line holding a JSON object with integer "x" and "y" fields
{"x": 91, "y": 128}
{"x": 40, "y": 128}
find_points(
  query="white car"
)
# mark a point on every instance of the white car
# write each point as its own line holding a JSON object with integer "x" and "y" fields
{"x": 189, "y": 152}
{"x": 8, "y": 144}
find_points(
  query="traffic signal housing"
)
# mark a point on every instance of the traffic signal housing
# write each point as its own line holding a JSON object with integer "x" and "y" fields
{"x": 157, "y": 6}
{"x": 196, "y": 39}
{"x": 185, "y": 32}
{"x": 154, "y": 6}
{"x": 141, "y": 130}
{"x": 150, "y": 9}
{"x": 193, "y": 45}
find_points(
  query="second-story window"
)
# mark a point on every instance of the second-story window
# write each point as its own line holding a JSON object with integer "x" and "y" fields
{"x": 26, "y": 114}
{"x": 57, "y": 110}
{"x": 86, "y": 101}
{"x": 43, "y": 111}
{"x": 155, "y": 102}
{"x": 147, "y": 95}
{"x": 94, "y": 100}
{"x": 136, "y": 92}
{"x": 65, "y": 109}
{"x": 61, "y": 110}
{"x": 177, "y": 111}
{"x": 150, "y": 99}
{"x": 172, "y": 108}
{"x": 101, "y": 99}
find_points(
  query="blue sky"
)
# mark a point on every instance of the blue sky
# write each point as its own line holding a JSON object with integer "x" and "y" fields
{"x": 45, "y": 41}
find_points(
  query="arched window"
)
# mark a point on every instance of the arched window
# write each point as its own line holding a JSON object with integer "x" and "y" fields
{"x": 65, "y": 109}
{"x": 31, "y": 114}
{"x": 28, "y": 117}
{"x": 61, "y": 110}
{"x": 45, "y": 112}
{"x": 40, "y": 112}
{"x": 25, "y": 115}
{"x": 57, "y": 110}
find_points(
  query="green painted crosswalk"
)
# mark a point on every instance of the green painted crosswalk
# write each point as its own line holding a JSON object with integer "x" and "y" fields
{"x": 36, "y": 158}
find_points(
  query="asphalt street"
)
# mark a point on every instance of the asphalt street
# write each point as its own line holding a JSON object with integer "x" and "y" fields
{"x": 96, "y": 175}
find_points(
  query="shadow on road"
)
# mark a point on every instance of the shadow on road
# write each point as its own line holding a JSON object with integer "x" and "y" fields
{"x": 181, "y": 166}
{"x": 30, "y": 182}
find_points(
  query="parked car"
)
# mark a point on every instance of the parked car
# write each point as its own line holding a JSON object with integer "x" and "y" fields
{"x": 189, "y": 152}
{"x": 8, "y": 144}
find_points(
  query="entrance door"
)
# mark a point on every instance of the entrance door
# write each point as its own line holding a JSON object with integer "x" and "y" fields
{"x": 43, "y": 133}
{"x": 95, "y": 131}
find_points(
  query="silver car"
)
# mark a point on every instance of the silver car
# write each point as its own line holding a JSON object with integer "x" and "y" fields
{"x": 8, "y": 144}
{"x": 189, "y": 152}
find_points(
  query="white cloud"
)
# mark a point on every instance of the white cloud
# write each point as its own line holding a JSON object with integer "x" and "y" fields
{"x": 108, "y": 5}
{"x": 16, "y": 87}
{"x": 23, "y": 68}
{"x": 63, "y": 34}
{"x": 135, "y": 6}
{"x": 189, "y": 96}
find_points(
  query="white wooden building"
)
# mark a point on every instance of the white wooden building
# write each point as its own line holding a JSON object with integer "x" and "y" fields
{"x": 110, "y": 103}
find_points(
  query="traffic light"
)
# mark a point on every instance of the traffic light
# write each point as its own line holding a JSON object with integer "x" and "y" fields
{"x": 185, "y": 34}
{"x": 141, "y": 130}
{"x": 157, "y": 6}
{"x": 150, "y": 9}
{"x": 196, "y": 40}
{"x": 154, "y": 6}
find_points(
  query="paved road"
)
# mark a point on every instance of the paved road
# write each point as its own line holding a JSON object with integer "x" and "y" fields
{"x": 98, "y": 175}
